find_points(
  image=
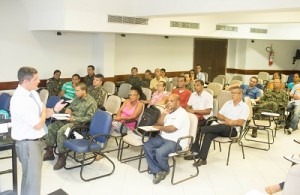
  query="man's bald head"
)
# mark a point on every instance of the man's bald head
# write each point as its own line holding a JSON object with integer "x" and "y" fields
{"x": 173, "y": 102}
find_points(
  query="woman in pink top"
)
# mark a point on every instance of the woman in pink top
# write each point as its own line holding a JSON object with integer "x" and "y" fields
{"x": 160, "y": 96}
{"x": 130, "y": 109}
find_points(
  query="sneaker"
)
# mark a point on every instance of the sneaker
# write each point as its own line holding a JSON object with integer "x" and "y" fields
{"x": 160, "y": 176}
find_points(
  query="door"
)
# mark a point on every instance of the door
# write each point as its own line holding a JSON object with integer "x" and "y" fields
{"x": 211, "y": 55}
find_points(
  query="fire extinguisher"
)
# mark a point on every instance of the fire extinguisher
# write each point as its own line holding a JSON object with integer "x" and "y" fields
{"x": 271, "y": 55}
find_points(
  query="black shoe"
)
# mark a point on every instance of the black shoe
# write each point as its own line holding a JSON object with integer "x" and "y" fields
{"x": 200, "y": 162}
{"x": 160, "y": 176}
{"x": 254, "y": 133}
{"x": 191, "y": 156}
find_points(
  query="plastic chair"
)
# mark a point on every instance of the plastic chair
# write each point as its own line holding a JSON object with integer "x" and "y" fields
{"x": 263, "y": 76}
{"x": 93, "y": 142}
{"x": 147, "y": 92}
{"x": 211, "y": 92}
{"x": 215, "y": 87}
{"x": 169, "y": 86}
{"x": 112, "y": 104}
{"x": 234, "y": 82}
{"x": 44, "y": 93}
{"x": 223, "y": 97}
{"x": 124, "y": 90}
{"x": 110, "y": 87}
{"x": 219, "y": 80}
{"x": 237, "y": 77}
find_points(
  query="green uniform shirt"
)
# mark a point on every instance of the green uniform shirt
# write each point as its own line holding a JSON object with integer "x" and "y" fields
{"x": 88, "y": 80}
{"x": 98, "y": 93}
{"x": 54, "y": 86}
{"x": 272, "y": 100}
{"x": 134, "y": 81}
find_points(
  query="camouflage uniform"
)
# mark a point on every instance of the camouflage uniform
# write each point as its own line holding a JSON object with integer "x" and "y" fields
{"x": 272, "y": 100}
{"x": 88, "y": 80}
{"x": 98, "y": 93}
{"x": 146, "y": 83}
{"x": 54, "y": 86}
{"x": 82, "y": 111}
{"x": 190, "y": 87}
{"x": 134, "y": 81}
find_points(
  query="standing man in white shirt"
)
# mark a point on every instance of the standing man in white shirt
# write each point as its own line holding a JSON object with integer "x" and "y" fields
{"x": 200, "y": 104}
{"x": 28, "y": 115}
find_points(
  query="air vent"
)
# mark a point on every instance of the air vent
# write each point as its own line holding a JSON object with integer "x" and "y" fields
{"x": 127, "y": 20}
{"x": 258, "y": 30}
{"x": 190, "y": 25}
{"x": 227, "y": 28}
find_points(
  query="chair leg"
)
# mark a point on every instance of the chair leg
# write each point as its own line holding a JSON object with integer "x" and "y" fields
{"x": 220, "y": 148}
{"x": 241, "y": 144}
{"x": 228, "y": 153}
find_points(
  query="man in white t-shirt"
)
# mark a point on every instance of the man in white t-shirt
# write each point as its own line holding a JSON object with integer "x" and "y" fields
{"x": 200, "y": 103}
{"x": 233, "y": 113}
{"x": 173, "y": 123}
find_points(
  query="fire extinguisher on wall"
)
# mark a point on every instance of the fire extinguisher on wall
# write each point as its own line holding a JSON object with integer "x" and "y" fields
{"x": 271, "y": 55}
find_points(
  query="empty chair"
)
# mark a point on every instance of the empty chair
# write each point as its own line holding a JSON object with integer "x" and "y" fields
{"x": 237, "y": 77}
{"x": 124, "y": 90}
{"x": 147, "y": 92}
{"x": 169, "y": 86}
{"x": 94, "y": 142}
{"x": 263, "y": 76}
{"x": 219, "y": 80}
{"x": 215, "y": 87}
{"x": 44, "y": 93}
{"x": 223, "y": 97}
{"x": 110, "y": 87}
{"x": 211, "y": 92}
{"x": 112, "y": 104}
{"x": 234, "y": 82}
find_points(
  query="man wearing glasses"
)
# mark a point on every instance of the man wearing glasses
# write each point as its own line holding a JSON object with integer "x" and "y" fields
{"x": 233, "y": 113}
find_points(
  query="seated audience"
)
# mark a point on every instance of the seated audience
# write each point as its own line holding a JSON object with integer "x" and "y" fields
{"x": 233, "y": 113}
{"x": 163, "y": 74}
{"x": 147, "y": 79}
{"x": 250, "y": 90}
{"x": 160, "y": 96}
{"x": 200, "y": 75}
{"x": 131, "y": 109}
{"x": 270, "y": 84}
{"x": 134, "y": 79}
{"x": 294, "y": 109}
{"x": 156, "y": 79}
{"x": 68, "y": 89}
{"x": 192, "y": 75}
{"x": 88, "y": 79}
{"x": 81, "y": 110}
{"x": 272, "y": 100}
{"x": 201, "y": 104}
{"x": 54, "y": 84}
{"x": 183, "y": 93}
{"x": 189, "y": 84}
{"x": 295, "y": 82}
{"x": 97, "y": 91}
{"x": 173, "y": 123}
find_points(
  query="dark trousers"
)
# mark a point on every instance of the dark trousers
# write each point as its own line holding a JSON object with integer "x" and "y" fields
{"x": 211, "y": 132}
{"x": 196, "y": 145}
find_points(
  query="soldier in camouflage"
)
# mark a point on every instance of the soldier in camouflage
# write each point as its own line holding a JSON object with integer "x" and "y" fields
{"x": 54, "y": 84}
{"x": 134, "y": 79}
{"x": 272, "y": 101}
{"x": 147, "y": 79}
{"x": 81, "y": 110}
{"x": 97, "y": 91}
{"x": 88, "y": 79}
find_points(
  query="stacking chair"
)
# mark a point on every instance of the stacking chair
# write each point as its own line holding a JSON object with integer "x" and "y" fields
{"x": 238, "y": 138}
{"x": 44, "y": 93}
{"x": 219, "y": 80}
{"x": 110, "y": 87}
{"x": 215, "y": 87}
{"x": 185, "y": 151}
{"x": 93, "y": 142}
{"x": 124, "y": 90}
{"x": 237, "y": 77}
{"x": 147, "y": 92}
{"x": 233, "y": 82}
{"x": 265, "y": 124}
{"x": 223, "y": 97}
{"x": 209, "y": 91}
{"x": 263, "y": 76}
{"x": 169, "y": 86}
{"x": 112, "y": 104}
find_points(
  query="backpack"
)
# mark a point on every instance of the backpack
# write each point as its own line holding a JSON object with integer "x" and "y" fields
{"x": 150, "y": 116}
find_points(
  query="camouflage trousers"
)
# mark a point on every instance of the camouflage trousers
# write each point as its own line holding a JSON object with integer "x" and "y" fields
{"x": 267, "y": 107}
{"x": 56, "y": 135}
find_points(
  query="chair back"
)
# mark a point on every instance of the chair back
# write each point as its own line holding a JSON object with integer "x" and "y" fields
{"x": 101, "y": 124}
{"x": 206, "y": 76}
{"x": 211, "y": 92}
{"x": 234, "y": 82}
{"x": 215, "y": 87}
{"x": 223, "y": 97}
{"x": 219, "y": 80}
{"x": 147, "y": 92}
{"x": 225, "y": 77}
{"x": 193, "y": 125}
{"x": 247, "y": 101}
{"x": 215, "y": 107}
{"x": 263, "y": 76}
{"x": 284, "y": 78}
{"x": 174, "y": 81}
{"x": 5, "y": 101}
{"x": 112, "y": 104}
{"x": 44, "y": 93}
{"x": 160, "y": 107}
{"x": 110, "y": 87}
{"x": 169, "y": 86}
{"x": 52, "y": 100}
{"x": 124, "y": 90}
{"x": 237, "y": 77}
